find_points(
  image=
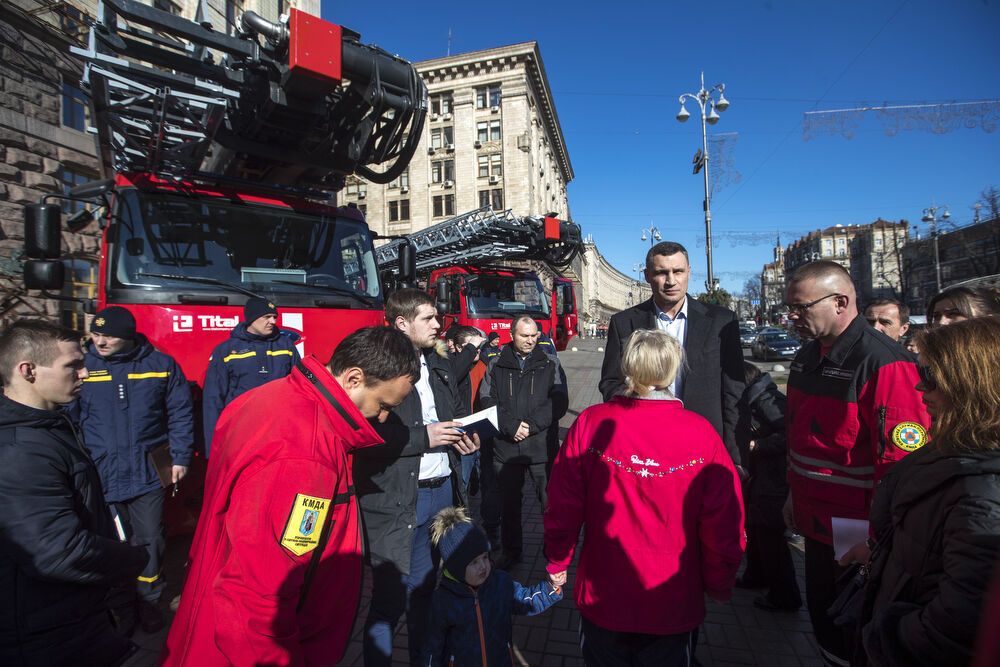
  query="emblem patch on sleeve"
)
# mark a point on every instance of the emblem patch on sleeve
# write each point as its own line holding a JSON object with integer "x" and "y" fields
{"x": 305, "y": 524}
{"x": 909, "y": 436}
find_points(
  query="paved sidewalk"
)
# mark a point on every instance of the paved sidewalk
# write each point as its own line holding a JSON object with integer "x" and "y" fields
{"x": 736, "y": 633}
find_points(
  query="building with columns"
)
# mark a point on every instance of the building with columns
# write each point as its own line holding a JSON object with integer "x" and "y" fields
{"x": 606, "y": 290}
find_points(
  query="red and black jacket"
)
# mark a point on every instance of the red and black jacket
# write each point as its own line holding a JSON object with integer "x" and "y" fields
{"x": 853, "y": 411}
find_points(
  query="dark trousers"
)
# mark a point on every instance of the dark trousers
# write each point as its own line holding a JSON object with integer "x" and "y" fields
{"x": 769, "y": 561}
{"x": 142, "y": 519}
{"x": 395, "y": 593}
{"x": 607, "y": 648}
{"x": 489, "y": 508}
{"x": 510, "y": 482}
{"x": 822, "y": 573}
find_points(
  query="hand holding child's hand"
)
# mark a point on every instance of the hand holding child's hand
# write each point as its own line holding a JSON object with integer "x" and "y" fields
{"x": 558, "y": 579}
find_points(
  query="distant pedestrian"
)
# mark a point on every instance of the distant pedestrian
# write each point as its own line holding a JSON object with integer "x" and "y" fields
{"x": 936, "y": 515}
{"x": 889, "y": 316}
{"x": 60, "y": 554}
{"x": 525, "y": 384}
{"x": 657, "y": 496}
{"x": 256, "y": 352}
{"x": 472, "y": 607}
{"x": 276, "y": 562}
{"x": 853, "y": 411}
{"x": 136, "y": 401}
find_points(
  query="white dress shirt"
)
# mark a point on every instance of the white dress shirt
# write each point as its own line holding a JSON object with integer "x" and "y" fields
{"x": 676, "y": 327}
{"x": 432, "y": 464}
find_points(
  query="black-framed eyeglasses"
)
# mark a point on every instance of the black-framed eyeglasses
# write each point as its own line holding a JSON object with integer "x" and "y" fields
{"x": 803, "y": 307}
{"x": 926, "y": 378}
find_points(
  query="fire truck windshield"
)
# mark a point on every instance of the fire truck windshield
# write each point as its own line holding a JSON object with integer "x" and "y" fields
{"x": 505, "y": 296}
{"x": 163, "y": 244}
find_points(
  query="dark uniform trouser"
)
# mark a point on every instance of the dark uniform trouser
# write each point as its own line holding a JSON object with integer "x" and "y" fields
{"x": 822, "y": 573}
{"x": 510, "y": 482}
{"x": 607, "y": 648}
{"x": 143, "y": 522}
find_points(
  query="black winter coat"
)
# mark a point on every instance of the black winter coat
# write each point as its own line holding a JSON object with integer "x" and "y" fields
{"x": 59, "y": 551}
{"x": 762, "y": 419}
{"x": 385, "y": 476}
{"x": 937, "y": 520}
{"x": 535, "y": 394}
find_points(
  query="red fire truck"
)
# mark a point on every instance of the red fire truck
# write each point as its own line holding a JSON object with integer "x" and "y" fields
{"x": 458, "y": 260}
{"x": 222, "y": 155}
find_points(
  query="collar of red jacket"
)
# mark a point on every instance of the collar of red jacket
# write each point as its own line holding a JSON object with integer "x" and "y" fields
{"x": 356, "y": 431}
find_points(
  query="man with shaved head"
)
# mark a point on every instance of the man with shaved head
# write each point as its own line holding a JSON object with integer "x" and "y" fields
{"x": 853, "y": 411}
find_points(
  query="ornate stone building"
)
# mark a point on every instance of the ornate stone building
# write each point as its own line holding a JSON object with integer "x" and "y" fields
{"x": 606, "y": 290}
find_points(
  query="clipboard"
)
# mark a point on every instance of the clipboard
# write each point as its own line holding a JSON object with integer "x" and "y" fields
{"x": 163, "y": 464}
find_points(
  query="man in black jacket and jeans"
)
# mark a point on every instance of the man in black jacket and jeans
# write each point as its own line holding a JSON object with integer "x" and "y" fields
{"x": 59, "y": 552}
{"x": 404, "y": 483}
{"x": 526, "y": 385}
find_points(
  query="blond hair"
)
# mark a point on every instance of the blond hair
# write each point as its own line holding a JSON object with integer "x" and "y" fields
{"x": 964, "y": 361}
{"x": 650, "y": 361}
{"x": 445, "y": 520}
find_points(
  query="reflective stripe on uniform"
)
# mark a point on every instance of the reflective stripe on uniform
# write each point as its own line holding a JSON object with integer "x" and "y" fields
{"x": 851, "y": 470}
{"x": 276, "y": 353}
{"x": 146, "y": 376}
{"x": 149, "y": 580}
{"x": 829, "y": 477}
{"x": 99, "y": 378}
{"x": 241, "y": 355}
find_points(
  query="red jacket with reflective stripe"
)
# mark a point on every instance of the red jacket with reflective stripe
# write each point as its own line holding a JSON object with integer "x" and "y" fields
{"x": 852, "y": 413}
{"x": 240, "y": 601}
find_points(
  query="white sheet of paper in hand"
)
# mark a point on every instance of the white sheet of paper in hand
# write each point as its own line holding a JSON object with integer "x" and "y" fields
{"x": 477, "y": 422}
{"x": 847, "y": 533}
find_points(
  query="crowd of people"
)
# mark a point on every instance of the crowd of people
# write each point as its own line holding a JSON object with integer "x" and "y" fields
{"x": 885, "y": 462}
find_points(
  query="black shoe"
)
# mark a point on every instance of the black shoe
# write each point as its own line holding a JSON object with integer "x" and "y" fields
{"x": 765, "y": 603}
{"x": 150, "y": 617}
{"x": 750, "y": 584}
{"x": 507, "y": 561}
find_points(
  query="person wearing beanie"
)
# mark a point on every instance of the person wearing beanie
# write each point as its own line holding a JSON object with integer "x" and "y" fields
{"x": 135, "y": 400}
{"x": 255, "y": 353}
{"x": 472, "y": 607}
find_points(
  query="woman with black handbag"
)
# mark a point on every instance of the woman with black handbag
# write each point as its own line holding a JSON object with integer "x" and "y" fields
{"x": 936, "y": 515}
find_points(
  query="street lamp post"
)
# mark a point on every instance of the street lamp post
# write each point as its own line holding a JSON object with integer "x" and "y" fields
{"x": 931, "y": 218}
{"x": 706, "y": 101}
{"x": 654, "y": 234}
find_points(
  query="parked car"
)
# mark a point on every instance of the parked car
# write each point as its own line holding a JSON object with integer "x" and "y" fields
{"x": 747, "y": 335}
{"x": 774, "y": 345}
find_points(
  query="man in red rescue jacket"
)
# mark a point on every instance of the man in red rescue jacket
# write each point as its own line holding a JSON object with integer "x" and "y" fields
{"x": 853, "y": 411}
{"x": 275, "y": 574}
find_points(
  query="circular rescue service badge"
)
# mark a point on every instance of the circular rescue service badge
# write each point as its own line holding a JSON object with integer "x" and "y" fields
{"x": 909, "y": 436}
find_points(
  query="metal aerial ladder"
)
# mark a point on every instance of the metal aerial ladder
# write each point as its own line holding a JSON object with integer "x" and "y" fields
{"x": 484, "y": 236}
{"x": 299, "y": 103}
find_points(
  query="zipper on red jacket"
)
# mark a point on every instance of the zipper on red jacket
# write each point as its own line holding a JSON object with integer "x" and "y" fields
{"x": 479, "y": 621}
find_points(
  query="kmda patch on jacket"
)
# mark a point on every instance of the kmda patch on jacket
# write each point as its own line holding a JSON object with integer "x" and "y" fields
{"x": 305, "y": 524}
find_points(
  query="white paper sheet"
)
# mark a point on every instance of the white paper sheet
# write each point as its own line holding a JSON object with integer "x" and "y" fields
{"x": 847, "y": 533}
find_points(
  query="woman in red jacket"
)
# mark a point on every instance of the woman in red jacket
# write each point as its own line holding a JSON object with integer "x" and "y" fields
{"x": 660, "y": 499}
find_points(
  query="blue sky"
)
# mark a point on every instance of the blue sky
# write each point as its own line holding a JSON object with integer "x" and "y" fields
{"x": 616, "y": 70}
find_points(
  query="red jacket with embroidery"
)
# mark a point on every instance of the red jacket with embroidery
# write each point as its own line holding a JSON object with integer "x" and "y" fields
{"x": 852, "y": 413}
{"x": 279, "y": 452}
{"x": 660, "y": 500}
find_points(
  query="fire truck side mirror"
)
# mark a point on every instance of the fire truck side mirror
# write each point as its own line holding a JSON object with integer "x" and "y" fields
{"x": 42, "y": 238}
{"x": 44, "y": 274}
{"x": 443, "y": 296}
{"x": 407, "y": 264}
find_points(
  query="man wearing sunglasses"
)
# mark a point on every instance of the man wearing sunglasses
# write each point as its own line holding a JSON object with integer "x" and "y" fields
{"x": 853, "y": 411}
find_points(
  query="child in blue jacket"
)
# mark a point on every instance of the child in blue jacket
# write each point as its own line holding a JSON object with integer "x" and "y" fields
{"x": 470, "y": 620}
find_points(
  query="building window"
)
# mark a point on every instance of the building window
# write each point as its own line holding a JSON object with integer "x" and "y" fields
{"x": 488, "y": 96}
{"x": 441, "y": 103}
{"x": 74, "y": 107}
{"x": 233, "y": 10}
{"x": 441, "y": 137}
{"x": 444, "y": 205}
{"x": 490, "y": 165}
{"x": 488, "y": 131}
{"x": 167, "y": 6}
{"x": 442, "y": 170}
{"x": 399, "y": 210}
{"x": 70, "y": 179}
{"x": 878, "y": 241}
{"x": 357, "y": 188}
{"x": 492, "y": 198}
{"x": 827, "y": 247}
{"x": 364, "y": 210}
{"x": 401, "y": 181}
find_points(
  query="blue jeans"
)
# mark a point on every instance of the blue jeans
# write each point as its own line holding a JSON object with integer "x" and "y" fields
{"x": 469, "y": 463}
{"x": 395, "y": 593}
